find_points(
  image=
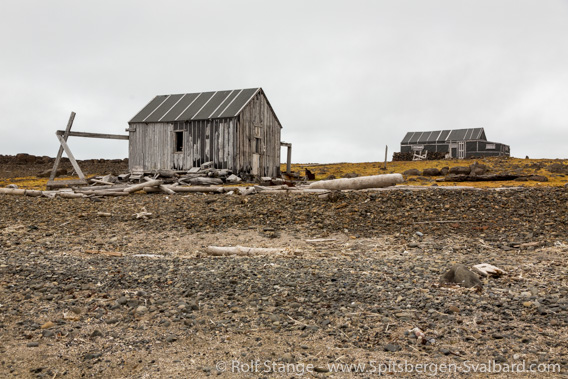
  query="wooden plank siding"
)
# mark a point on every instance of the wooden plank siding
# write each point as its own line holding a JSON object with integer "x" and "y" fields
{"x": 258, "y": 115}
{"x": 229, "y": 142}
{"x": 151, "y": 146}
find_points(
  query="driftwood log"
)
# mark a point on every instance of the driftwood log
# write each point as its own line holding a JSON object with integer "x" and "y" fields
{"x": 241, "y": 250}
{"x": 20, "y": 192}
{"x": 138, "y": 187}
{"x": 186, "y": 189}
{"x": 363, "y": 182}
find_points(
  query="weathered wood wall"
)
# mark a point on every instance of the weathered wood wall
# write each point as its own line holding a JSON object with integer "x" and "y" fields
{"x": 151, "y": 146}
{"x": 257, "y": 120}
{"x": 206, "y": 141}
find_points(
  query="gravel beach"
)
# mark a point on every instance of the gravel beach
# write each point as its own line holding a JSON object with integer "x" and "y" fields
{"x": 87, "y": 289}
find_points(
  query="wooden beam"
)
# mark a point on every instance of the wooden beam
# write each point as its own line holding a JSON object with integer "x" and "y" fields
{"x": 60, "y": 152}
{"x": 93, "y": 135}
{"x": 71, "y": 157}
{"x": 288, "y": 156}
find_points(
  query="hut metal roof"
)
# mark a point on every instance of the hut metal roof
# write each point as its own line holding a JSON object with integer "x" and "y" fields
{"x": 441, "y": 136}
{"x": 195, "y": 106}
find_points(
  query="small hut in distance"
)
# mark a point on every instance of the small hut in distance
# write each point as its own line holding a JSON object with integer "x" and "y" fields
{"x": 456, "y": 143}
{"x": 235, "y": 129}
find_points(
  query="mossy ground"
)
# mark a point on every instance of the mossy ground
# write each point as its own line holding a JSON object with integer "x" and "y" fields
{"x": 496, "y": 165}
{"x": 339, "y": 170}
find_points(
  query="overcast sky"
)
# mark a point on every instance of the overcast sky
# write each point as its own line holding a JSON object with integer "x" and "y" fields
{"x": 345, "y": 78}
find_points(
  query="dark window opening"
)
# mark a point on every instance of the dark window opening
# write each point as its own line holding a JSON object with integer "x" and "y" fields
{"x": 178, "y": 142}
{"x": 257, "y": 145}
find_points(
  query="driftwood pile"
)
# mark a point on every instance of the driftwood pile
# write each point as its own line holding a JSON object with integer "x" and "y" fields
{"x": 171, "y": 183}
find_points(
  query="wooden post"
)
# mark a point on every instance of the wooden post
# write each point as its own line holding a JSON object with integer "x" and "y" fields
{"x": 60, "y": 152}
{"x": 289, "y": 159}
{"x": 71, "y": 158}
{"x": 386, "y": 152}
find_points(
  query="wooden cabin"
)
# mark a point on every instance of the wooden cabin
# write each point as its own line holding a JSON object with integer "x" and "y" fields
{"x": 456, "y": 143}
{"x": 235, "y": 129}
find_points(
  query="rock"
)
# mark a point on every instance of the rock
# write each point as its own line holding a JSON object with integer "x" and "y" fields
{"x": 444, "y": 171}
{"x": 412, "y": 172}
{"x": 141, "y": 310}
{"x": 460, "y": 170}
{"x": 96, "y": 333}
{"x": 393, "y": 348}
{"x": 14, "y": 186}
{"x": 558, "y": 168}
{"x": 122, "y": 300}
{"x": 33, "y": 344}
{"x": 320, "y": 369}
{"x": 477, "y": 169}
{"x": 23, "y": 158}
{"x": 538, "y": 178}
{"x": 89, "y": 356}
{"x": 454, "y": 309}
{"x": 459, "y": 274}
{"x": 48, "y": 325}
{"x": 287, "y": 358}
{"x": 431, "y": 172}
{"x": 350, "y": 175}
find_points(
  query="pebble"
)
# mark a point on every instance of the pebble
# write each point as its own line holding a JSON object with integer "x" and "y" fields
{"x": 393, "y": 348}
{"x": 48, "y": 325}
{"x": 287, "y": 358}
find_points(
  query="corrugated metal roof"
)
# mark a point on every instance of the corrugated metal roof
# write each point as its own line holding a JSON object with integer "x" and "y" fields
{"x": 443, "y": 136}
{"x": 195, "y": 106}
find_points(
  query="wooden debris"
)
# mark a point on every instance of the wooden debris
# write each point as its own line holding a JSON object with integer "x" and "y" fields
{"x": 138, "y": 187}
{"x": 21, "y": 192}
{"x": 241, "y": 250}
{"x": 166, "y": 189}
{"x": 320, "y": 240}
{"x": 186, "y": 189}
{"x": 143, "y": 214}
{"x": 71, "y": 195}
{"x": 485, "y": 269}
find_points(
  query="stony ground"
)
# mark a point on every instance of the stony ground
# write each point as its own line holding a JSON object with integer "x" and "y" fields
{"x": 89, "y": 290}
